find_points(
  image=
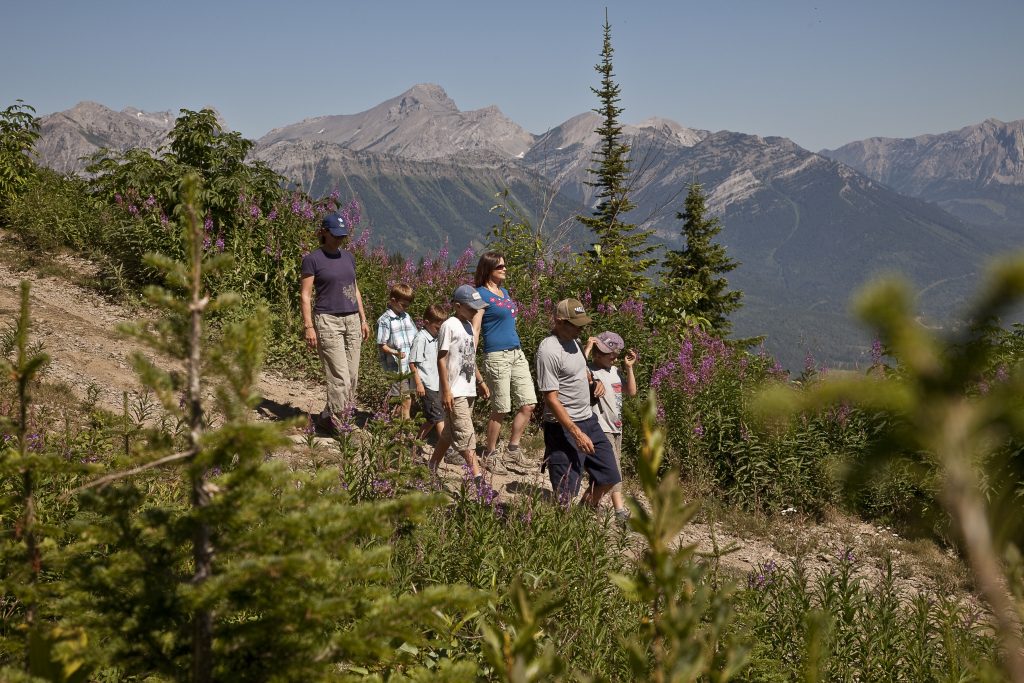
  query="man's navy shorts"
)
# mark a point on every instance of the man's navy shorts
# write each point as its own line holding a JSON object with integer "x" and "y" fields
{"x": 565, "y": 462}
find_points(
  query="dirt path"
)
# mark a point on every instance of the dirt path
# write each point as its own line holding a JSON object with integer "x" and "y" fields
{"x": 78, "y": 328}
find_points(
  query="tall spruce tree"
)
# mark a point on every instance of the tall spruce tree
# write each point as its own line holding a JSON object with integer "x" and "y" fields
{"x": 620, "y": 256}
{"x": 696, "y": 272}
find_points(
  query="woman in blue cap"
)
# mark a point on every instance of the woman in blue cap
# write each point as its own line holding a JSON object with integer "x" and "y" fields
{"x": 336, "y": 323}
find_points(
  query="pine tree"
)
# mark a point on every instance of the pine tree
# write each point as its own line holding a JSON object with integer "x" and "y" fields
{"x": 693, "y": 275}
{"x": 621, "y": 254}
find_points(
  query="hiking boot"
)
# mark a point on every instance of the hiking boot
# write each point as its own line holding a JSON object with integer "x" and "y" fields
{"x": 622, "y": 517}
{"x": 492, "y": 463}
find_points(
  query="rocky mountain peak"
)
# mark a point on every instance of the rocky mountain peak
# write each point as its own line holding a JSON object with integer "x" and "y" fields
{"x": 687, "y": 137}
{"x": 427, "y": 96}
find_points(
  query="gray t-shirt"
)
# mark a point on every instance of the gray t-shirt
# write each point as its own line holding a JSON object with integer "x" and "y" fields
{"x": 561, "y": 367}
{"x": 334, "y": 280}
{"x": 609, "y": 406}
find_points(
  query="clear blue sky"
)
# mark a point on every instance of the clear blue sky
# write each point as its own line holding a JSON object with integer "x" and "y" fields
{"x": 822, "y": 73}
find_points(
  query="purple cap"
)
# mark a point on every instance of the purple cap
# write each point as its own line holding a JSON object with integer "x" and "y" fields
{"x": 609, "y": 342}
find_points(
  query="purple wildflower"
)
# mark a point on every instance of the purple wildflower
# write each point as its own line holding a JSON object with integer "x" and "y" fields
{"x": 876, "y": 352}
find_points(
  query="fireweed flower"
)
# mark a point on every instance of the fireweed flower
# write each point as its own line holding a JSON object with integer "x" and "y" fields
{"x": 763, "y": 576}
{"x": 254, "y": 211}
{"x": 133, "y": 210}
{"x": 150, "y": 201}
{"x": 272, "y": 215}
{"x": 876, "y": 352}
{"x": 1002, "y": 374}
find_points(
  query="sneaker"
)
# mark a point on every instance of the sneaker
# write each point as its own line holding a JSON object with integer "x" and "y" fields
{"x": 453, "y": 457}
{"x": 518, "y": 459}
{"x": 324, "y": 424}
{"x": 622, "y": 517}
{"x": 492, "y": 463}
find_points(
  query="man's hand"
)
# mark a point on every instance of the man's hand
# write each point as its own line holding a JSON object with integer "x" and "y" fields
{"x": 630, "y": 358}
{"x": 311, "y": 337}
{"x": 448, "y": 401}
{"x": 583, "y": 441}
{"x": 485, "y": 391}
{"x": 421, "y": 390}
{"x": 399, "y": 354}
{"x": 598, "y": 389}
{"x": 364, "y": 329}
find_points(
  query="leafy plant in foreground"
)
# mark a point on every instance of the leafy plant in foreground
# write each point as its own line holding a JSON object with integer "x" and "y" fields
{"x": 681, "y": 639}
{"x": 942, "y": 424}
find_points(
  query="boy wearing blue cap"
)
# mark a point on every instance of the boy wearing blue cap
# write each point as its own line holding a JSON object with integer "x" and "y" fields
{"x": 459, "y": 378}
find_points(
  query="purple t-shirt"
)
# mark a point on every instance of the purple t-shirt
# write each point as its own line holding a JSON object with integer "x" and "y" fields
{"x": 334, "y": 281}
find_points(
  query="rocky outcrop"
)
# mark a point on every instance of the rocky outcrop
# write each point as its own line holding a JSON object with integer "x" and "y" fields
{"x": 976, "y": 172}
{"x": 67, "y": 137}
{"x": 421, "y": 123}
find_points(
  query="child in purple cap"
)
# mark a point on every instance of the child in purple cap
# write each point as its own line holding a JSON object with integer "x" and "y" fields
{"x": 605, "y": 349}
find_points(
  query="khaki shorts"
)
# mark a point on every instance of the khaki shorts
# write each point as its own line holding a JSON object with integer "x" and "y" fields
{"x": 459, "y": 425}
{"x": 616, "y": 440}
{"x": 508, "y": 377}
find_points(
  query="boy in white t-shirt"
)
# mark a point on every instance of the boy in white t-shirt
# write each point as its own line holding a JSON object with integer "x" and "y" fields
{"x": 606, "y": 348}
{"x": 458, "y": 377}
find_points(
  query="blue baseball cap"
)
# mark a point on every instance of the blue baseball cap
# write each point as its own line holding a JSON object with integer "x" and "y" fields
{"x": 467, "y": 294}
{"x": 335, "y": 224}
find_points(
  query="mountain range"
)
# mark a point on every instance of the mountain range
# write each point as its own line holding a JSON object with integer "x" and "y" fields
{"x": 976, "y": 173}
{"x": 809, "y": 229}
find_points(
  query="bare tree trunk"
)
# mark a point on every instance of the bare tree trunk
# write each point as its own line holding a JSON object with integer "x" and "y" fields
{"x": 202, "y": 546}
{"x": 28, "y": 524}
